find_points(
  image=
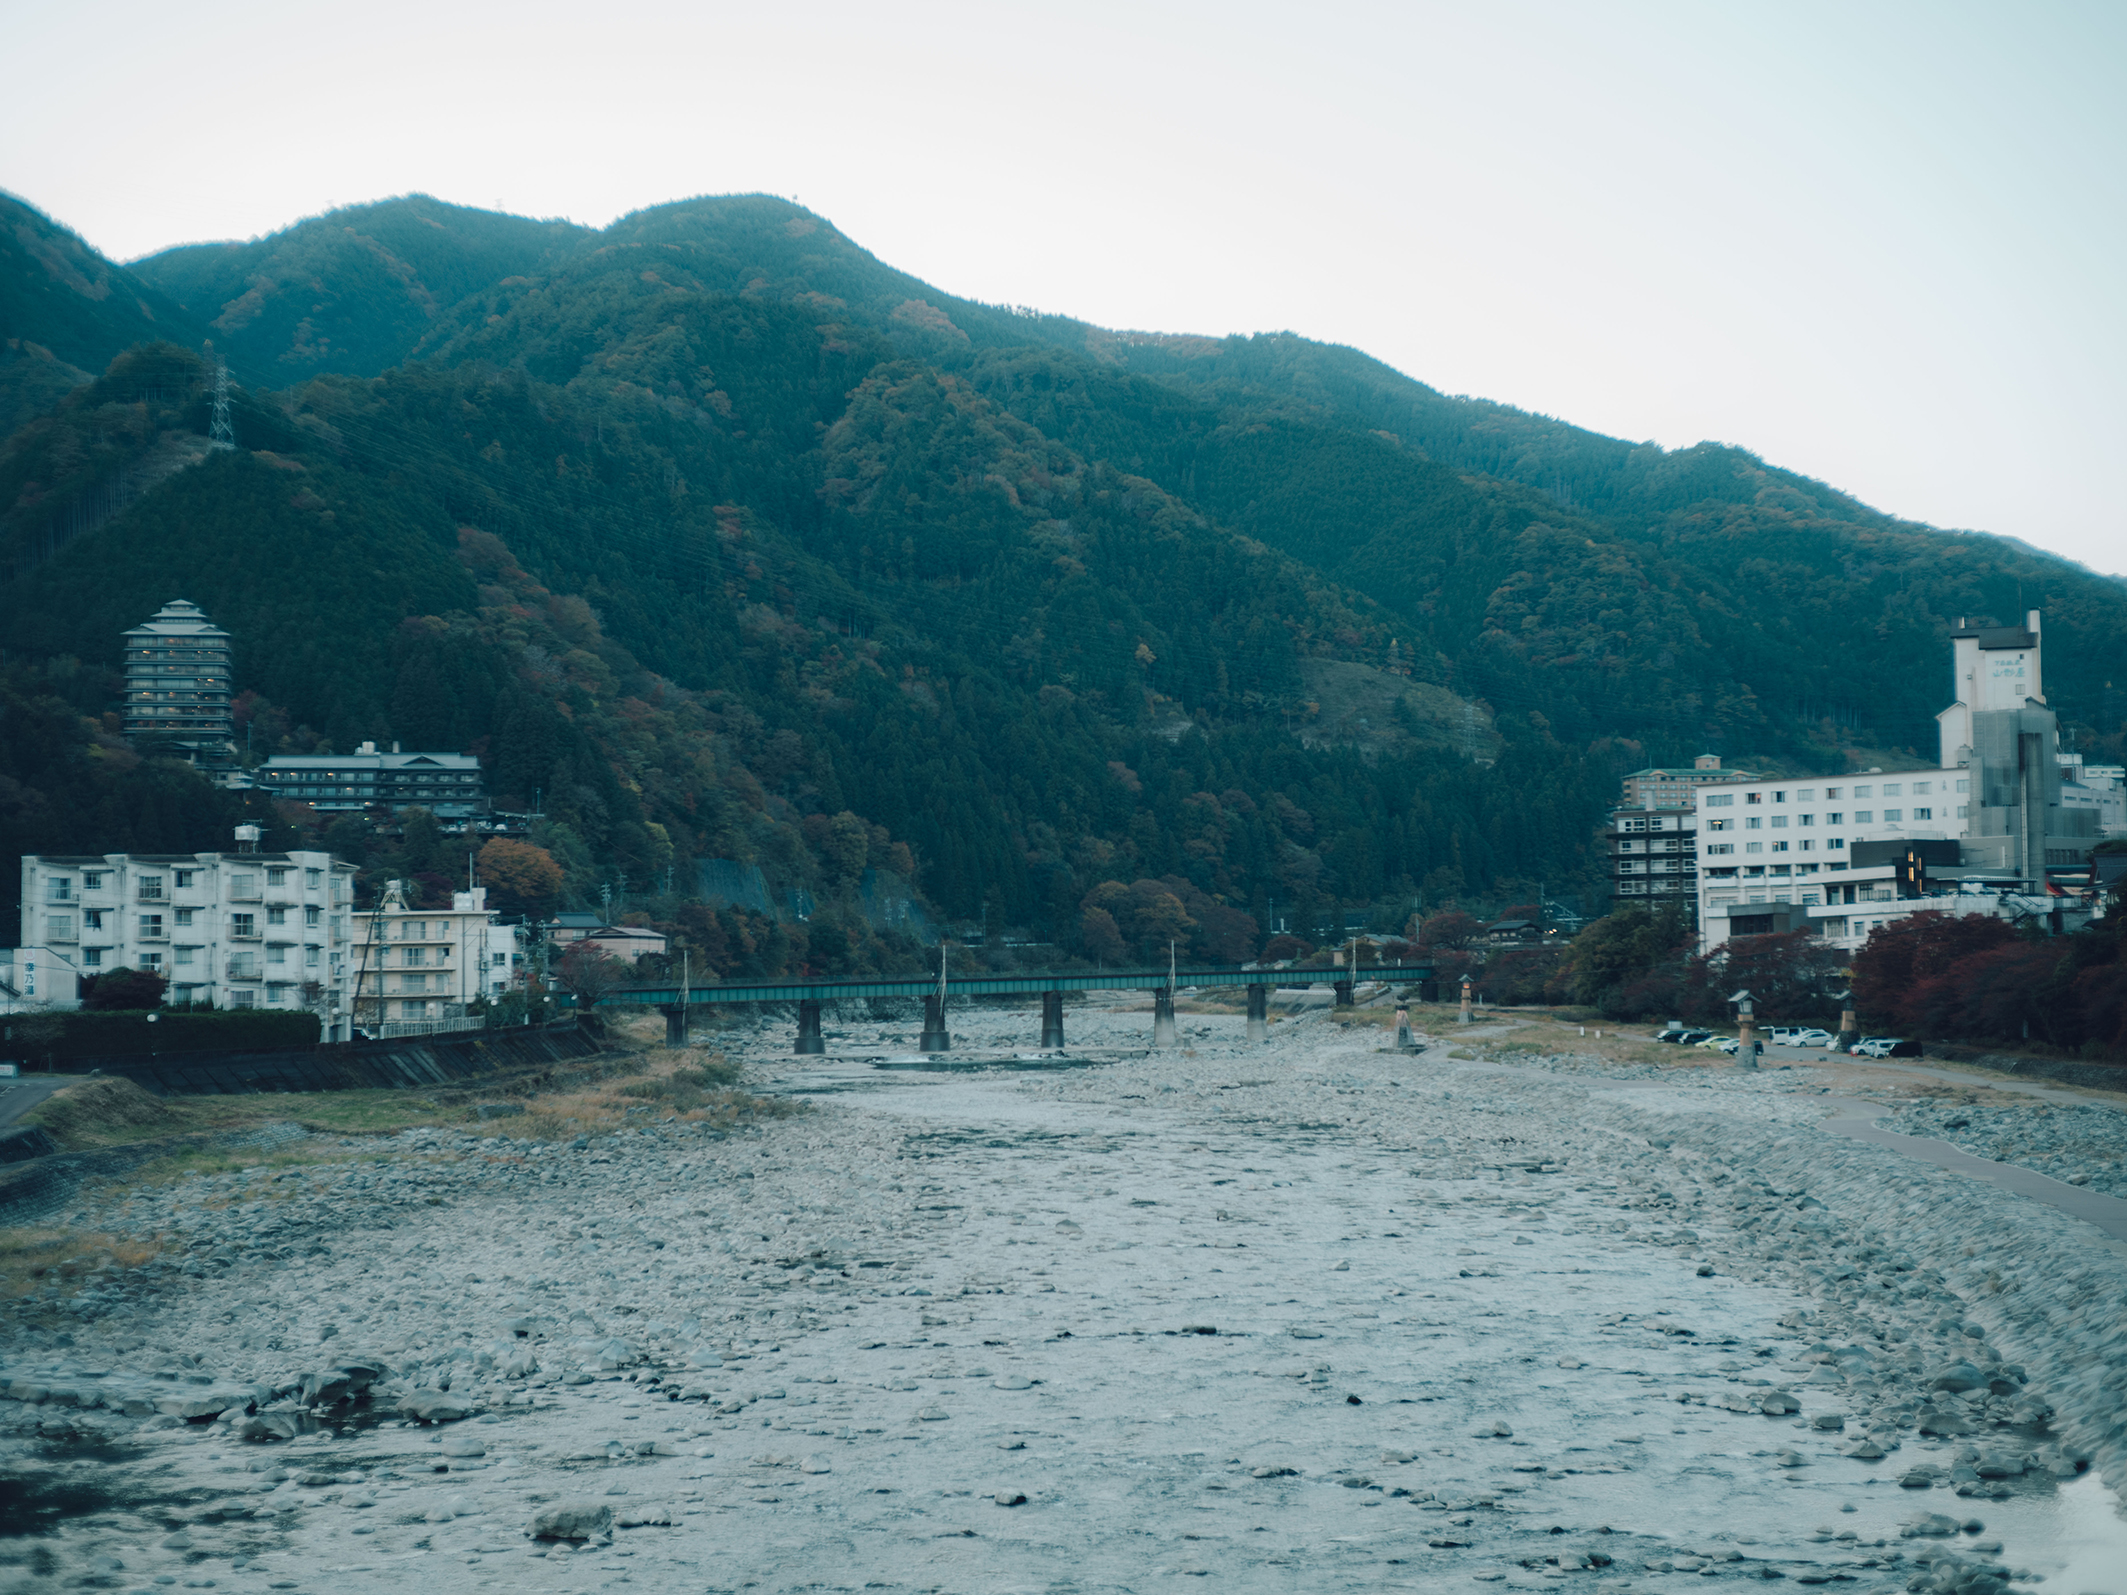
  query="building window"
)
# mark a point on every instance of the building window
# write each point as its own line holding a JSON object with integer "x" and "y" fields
{"x": 243, "y": 886}
{"x": 1964, "y": 811}
{"x": 1964, "y": 786}
{"x": 311, "y": 879}
{"x": 1892, "y": 816}
{"x": 410, "y": 1010}
{"x": 59, "y": 927}
{"x": 1779, "y": 847}
{"x": 1805, "y": 844}
{"x": 1779, "y": 822}
{"x": 1721, "y": 847}
{"x": 1809, "y": 796}
{"x": 1864, "y": 791}
{"x": 1864, "y": 816}
{"x": 277, "y": 954}
{"x": 1835, "y": 819}
{"x": 1720, "y": 825}
{"x": 243, "y": 924}
{"x": 184, "y": 879}
{"x": 151, "y": 925}
{"x": 1753, "y": 847}
{"x": 1893, "y": 788}
{"x": 92, "y": 957}
{"x": 1923, "y": 814}
{"x": 1833, "y": 844}
{"x": 59, "y": 889}
{"x": 92, "y": 881}
{"x": 1923, "y": 788}
{"x": 276, "y": 916}
{"x": 276, "y": 877}
{"x": 312, "y": 914}
{"x": 1779, "y": 797}
{"x": 1720, "y": 800}
{"x": 1754, "y": 797}
{"x": 184, "y": 956}
{"x": 151, "y": 961}
{"x": 1805, "y": 819}
{"x": 310, "y": 957}
{"x": 1754, "y": 823}
{"x": 150, "y": 888}
{"x": 92, "y": 919}
{"x": 243, "y": 998}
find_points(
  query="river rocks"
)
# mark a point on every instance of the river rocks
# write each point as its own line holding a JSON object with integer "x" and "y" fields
{"x": 1931, "y": 1526}
{"x": 1778, "y": 1404}
{"x": 1957, "y": 1377}
{"x": 462, "y": 1445}
{"x": 433, "y": 1406}
{"x": 572, "y": 1520}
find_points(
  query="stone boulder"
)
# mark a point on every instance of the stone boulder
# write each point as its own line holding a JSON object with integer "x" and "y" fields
{"x": 573, "y": 1520}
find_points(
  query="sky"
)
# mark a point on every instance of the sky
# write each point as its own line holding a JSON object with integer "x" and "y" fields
{"x": 1878, "y": 244}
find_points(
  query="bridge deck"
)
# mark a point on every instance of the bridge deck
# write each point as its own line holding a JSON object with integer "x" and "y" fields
{"x": 667, "y": 995}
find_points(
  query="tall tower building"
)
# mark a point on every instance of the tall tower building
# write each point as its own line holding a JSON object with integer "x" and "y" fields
{"x": 177, "y": 683}
{"x": 2002, "y": 730}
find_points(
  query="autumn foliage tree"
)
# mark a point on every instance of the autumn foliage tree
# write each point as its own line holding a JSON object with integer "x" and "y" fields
{"x": 520, "y": 878}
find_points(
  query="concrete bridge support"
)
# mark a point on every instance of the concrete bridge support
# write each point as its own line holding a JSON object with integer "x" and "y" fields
{"x": 1163, "y": 1034}
{"x": 935, "y": 1037}
{"x": 1052, "y": 1021}
{"x": 1258, "y": 1013}
{"x": 1343, "y": 989}
{"x": 675, "y": 1024}
{"x": 809, "y": 1038}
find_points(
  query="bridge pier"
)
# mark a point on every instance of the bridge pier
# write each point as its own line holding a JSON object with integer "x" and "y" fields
{"x": 935, "y": 1036}
{"x": 1258, "y": 1013}
{"x": 1052, "y": 1021}
{"x": 1163, "y": 1017}
{"x": 675, "y": 1024}
{"x": 1404, "y": 1040}
{"x": 809, "y": 1039}
{"x": 1344, "y": 992}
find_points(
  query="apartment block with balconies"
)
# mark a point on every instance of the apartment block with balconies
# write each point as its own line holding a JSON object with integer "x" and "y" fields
{"x": 1653, "y": 854}
{"x": 230, "y": 930}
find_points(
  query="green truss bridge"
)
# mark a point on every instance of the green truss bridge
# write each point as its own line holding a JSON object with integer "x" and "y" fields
{"x": 674, "y": 998}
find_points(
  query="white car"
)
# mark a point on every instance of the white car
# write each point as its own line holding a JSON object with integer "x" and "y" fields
{"x": 1885, "y": 1047}
{"x": 1784, "y": 1035}
{"x": 1813, "y": 1038}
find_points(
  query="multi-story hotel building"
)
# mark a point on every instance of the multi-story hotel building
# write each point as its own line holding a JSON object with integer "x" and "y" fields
{"x": 178, "y": 683}
{"x": 426, "y": 966}
{"x": 234, "y": 930}
{"x": 1847, "y": 854}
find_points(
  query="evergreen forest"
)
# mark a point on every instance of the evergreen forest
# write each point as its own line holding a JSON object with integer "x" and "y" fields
{"x": 730, "y": 549}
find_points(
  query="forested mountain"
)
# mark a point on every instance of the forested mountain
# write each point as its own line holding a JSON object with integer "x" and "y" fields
{"x": 719, "y": 539}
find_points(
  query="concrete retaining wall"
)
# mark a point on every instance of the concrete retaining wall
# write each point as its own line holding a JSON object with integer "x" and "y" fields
{"x": 411, "y": 1062}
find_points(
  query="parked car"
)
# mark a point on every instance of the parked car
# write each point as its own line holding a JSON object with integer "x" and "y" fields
{"x": 1784, "y": 1035}
{"x": 1885, "y": 1047}
{"x": 1713, "y": 1043}
{"x": 1814, "y": 1038}
{"x": 1675, "y": 1033}
{"x": 1692, "y": 1038}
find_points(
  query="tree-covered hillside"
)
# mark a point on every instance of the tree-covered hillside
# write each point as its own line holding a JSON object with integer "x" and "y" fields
{"x": 718, "y": 539}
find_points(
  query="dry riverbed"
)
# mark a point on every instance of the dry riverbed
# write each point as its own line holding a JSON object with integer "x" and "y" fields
{"x": 1308, "y": 1315}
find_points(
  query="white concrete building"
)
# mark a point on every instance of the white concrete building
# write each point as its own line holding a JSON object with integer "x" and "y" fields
{"x": 233, "y": 930}
{"x": 1849, "y": 854}
{"x": 425, "y": 966}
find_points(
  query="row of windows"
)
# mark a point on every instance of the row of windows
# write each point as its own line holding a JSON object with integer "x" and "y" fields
{"x": 1779, "y": 822}
{"x": 60, "y": 888}
{"x": 240, "y": 966}
{"x": 1832, "y": 794}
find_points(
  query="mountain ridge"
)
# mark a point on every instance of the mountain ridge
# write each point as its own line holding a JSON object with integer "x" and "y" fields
{"x": 1045, "y": 604}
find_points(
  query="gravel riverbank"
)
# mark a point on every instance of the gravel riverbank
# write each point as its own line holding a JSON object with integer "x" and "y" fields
{"x": 1300, "y": 1316}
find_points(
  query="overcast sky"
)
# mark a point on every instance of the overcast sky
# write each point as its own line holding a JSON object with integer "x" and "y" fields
{"x": 1879, "y": 244}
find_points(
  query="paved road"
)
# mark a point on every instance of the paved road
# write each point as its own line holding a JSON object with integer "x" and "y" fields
{"x": 18, "y": 1096}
